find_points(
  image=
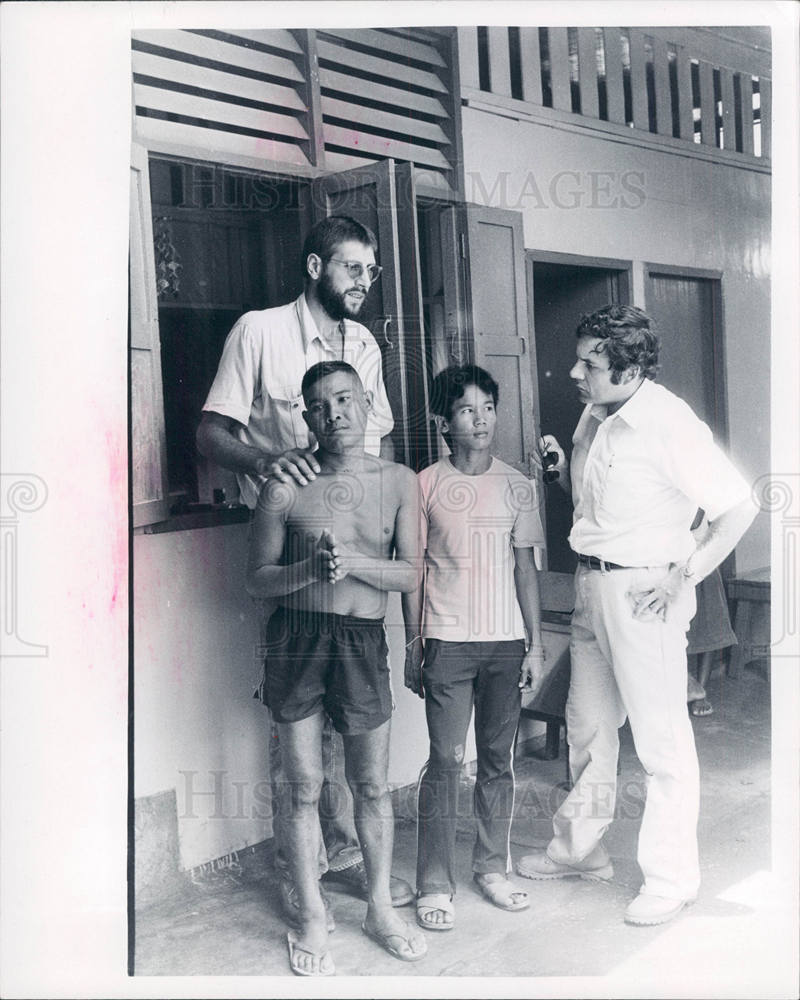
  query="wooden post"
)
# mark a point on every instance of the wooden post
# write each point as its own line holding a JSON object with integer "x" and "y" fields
{"x": 612, "y": 41}
{"x": 663, "y": 91}
{"x": 559, "y": 68}
{"x": 641, "y": 117}
{"x": 531, "y": 65}
{"x": 313, "y": 99}
{"x": 587, "y": 71}
{"x": 765, "y": 87}
{"x": 685, "y": 100}
{"x": 499, "y": 61}
{"x": 746, "y": 93}
{"x": 708, "y": 111}
{"x": 468, "y": 57}
{"x": 728, "y": 109}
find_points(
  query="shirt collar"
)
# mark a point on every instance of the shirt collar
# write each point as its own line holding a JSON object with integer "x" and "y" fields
{"x": 310, "y": 332}
{"x": 633, "y": 410}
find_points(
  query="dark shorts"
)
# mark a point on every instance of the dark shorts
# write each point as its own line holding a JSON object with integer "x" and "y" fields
{"x": 329, "y": 662}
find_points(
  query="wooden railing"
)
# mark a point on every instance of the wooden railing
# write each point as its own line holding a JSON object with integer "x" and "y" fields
{"x": 696, "y": 85}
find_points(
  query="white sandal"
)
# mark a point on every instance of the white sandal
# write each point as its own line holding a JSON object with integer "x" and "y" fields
{"x": 431, "y": 902}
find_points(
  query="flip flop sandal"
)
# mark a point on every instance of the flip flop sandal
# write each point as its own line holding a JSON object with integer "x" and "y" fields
{"x": 499, "y": 892}
{"x": 430, "y": 903}
{"x": 325, "y": 966}
{"x": 385, "y": 941}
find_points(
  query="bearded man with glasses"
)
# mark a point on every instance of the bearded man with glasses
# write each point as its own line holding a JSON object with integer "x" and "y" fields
{"x": 253, "y": 424}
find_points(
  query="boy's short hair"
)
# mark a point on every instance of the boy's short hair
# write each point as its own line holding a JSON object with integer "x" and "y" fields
{"x": 327, "y": 235}
{"x": 449, "y": 385}
{"x": 321, "y": 370}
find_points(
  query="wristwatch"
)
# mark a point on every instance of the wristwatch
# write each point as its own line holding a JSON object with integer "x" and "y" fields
{"x": 688, "y": 573}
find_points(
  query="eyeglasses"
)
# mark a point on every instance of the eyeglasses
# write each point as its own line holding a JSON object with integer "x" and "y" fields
{"x": 355, "y": 268}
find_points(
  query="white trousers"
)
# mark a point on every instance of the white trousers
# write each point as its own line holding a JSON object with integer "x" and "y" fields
{"x": 622, "y": 666}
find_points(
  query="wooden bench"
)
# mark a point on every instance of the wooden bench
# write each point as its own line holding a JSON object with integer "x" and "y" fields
{"x": 548, "y": 704}
{"x": 749, "y": 596}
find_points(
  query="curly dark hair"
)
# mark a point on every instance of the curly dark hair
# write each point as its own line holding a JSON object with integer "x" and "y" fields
{"x": 449, "y": 385}
{"x": 328, "y": 234}
{"x": 629, "y": 339}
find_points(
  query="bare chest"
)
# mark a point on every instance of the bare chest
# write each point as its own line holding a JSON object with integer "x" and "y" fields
{"x": 357, "y": 509}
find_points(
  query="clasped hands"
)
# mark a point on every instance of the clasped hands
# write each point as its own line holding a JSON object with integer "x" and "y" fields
{"x": 332, "y": 560}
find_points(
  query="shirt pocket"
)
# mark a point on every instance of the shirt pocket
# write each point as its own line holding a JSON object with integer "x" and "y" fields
{"x": 620, "y": 492}
{"x": 285, "y": 408}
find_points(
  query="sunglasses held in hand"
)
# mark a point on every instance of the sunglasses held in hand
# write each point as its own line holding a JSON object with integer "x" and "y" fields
{"x": 550, "y": 475}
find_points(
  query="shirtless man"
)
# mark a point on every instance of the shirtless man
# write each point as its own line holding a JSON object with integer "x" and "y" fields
{"x": 324, "y": 551}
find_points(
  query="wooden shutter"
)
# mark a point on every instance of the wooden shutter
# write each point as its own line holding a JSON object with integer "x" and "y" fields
{"x": 225, "y": 96}
{"x": 389, "y": 93}
{"x": 148, "y": 440}
{"x": 393, "y": 311}
{"x": 496, "y": 256}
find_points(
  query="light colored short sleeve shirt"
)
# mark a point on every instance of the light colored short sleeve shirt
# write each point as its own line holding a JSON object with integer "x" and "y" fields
{"x": 470, "y": 526}
{"x": 260, "y": 372}
{"x": 639, "y": 475}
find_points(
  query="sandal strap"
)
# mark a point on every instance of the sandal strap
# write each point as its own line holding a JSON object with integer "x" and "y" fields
{"x": 435, "y": 901}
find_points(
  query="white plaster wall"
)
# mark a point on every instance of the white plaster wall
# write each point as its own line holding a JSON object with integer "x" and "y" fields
{"x": 195, "y": 667}
{"x": 592, "y": 195}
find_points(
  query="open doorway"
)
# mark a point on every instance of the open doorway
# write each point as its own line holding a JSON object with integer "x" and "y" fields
{"x": 562, "y": 289}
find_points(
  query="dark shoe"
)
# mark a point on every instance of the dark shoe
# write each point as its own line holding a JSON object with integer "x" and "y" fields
{"x": 354, "y": 879}
{"x": 291, "y": 904}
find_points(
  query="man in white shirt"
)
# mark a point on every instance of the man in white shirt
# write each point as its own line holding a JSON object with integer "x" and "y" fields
{"x": 642, "y": 463}
{"x": 253, "y": 424}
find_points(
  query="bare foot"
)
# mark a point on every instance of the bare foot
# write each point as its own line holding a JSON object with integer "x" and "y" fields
{"x": 308, "y": 948}
{"x": 385, "y": 926}
{"x": 435, "y": 910}
{"x": 701, "y": 707}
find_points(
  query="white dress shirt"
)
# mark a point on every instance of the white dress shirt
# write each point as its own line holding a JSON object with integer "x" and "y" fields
{"x": 639, "y": 475}
{"x": 260, "y": 372}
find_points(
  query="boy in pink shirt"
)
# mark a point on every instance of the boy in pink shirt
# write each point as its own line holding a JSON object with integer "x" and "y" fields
{"x": 473, "y": 640}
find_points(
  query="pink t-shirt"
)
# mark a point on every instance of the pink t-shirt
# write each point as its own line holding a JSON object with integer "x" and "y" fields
{"x": 470, "y": 526}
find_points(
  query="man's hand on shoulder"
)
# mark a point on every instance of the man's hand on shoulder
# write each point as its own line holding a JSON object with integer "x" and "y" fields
{"x": 296, "y": 464}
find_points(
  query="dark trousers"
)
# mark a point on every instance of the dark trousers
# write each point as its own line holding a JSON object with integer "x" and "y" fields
{"x": 456, "y": 677}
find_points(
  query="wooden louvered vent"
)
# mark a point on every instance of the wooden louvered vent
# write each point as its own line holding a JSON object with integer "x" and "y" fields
{"x": 311, "y": 101}
{"x": 225, "y": 96}
{"x": 388, "y": 93}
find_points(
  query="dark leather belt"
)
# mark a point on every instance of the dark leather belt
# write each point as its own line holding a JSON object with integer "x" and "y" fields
{"x": 602, "y": 564}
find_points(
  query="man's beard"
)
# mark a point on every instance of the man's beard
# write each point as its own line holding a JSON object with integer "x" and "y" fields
{"x": 335, "y": 303}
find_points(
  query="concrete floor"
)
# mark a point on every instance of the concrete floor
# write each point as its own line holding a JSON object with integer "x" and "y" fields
{"x": 228, "y": 923}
